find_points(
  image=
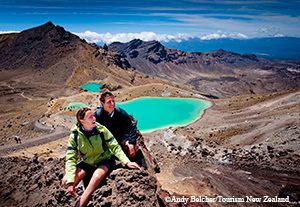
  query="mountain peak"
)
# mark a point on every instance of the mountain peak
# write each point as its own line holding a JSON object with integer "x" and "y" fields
{"x": 48, "y": 30}
{"x": 137, "y": 44}
{"x": 48, "y": 24}
{"x": 136, "y": 41}
{"x": 149, "y": 45}
{"x": 42, "y": 41}
{"x": 134, "y": 44}
{"x": 40, "y": 29}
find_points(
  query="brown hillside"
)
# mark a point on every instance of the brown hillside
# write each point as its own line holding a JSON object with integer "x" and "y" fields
{"x": 45, "y": 62}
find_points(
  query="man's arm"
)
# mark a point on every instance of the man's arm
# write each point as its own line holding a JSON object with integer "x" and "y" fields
{"x": 130, "y": 130}
{"x": 98, "y": 113}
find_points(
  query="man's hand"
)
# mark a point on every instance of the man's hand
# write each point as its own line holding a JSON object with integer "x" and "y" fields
{"x": 133, "y": 165}
{"x": 131, "y": 149}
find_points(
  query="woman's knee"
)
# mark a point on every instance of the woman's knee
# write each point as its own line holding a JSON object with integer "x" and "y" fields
{"x": 100, "y": 172}
{"x": 80, "y": 173}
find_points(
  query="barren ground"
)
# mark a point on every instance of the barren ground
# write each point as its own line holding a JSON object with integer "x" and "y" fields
{"x": 241, "y": 146}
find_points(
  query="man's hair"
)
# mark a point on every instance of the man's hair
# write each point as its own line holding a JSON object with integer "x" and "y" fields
{"x": 104, "y": 95}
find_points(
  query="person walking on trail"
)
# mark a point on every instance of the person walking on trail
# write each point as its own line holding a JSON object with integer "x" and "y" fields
{"x": 95, "y": 144}
{"x": 119, "y": 123}
{"x": 18, "y": 139}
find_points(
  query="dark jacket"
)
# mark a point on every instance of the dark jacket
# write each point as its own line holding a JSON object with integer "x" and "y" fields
{"x": 118, "y": 123}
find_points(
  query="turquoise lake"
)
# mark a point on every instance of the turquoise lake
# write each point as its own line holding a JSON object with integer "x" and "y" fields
{"x": 92, "y": 87}
{"x": 75, "y": 105}
{"x": 155, "y": 112}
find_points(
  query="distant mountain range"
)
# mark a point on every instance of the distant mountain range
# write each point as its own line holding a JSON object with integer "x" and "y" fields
{"x": 55, "y": 58}
{"x": 217, "y": 73}
{"x": 155, "y": 59}
{"x": 281, "y": 48}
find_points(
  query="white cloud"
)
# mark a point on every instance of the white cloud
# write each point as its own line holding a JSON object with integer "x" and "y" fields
{"x": 8, "y": 32}
{"x": 213, "y": 36}
{"x": 279, "y": 35}
{"x": 220, "y": 35}
{"x": 238, "y": 36}
{"x": 108, "y": 38}
{"x": 94, "y": 37}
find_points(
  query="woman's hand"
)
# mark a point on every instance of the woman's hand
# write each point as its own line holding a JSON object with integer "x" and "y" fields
{"x": 64, "y": 184}
{"x": 72, "y": 191}
{"x": 133, "y": 165}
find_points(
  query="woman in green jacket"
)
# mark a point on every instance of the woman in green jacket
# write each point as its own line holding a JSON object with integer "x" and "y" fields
{"x": 95, "y": 145}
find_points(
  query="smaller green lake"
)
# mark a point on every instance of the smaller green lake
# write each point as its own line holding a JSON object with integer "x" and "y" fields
{"x": 75, "y": 105}
{"x": 155, "y": 112}
{"x": 92, "y": 87}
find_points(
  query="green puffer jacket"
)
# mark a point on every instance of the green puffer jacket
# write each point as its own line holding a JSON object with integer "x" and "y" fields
{"x": 91, "y": 149}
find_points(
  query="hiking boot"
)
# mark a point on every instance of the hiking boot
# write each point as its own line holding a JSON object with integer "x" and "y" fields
{"x": 77, "y": 204}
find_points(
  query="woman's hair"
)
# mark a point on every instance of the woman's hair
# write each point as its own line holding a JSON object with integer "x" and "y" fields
{"x": 80, "y": 114}
{"x": 104, "y": 95}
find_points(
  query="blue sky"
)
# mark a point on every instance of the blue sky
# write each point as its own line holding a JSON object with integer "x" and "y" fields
{"x": 121, "y": 20}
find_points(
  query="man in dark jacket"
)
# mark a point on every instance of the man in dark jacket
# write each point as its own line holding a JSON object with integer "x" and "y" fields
{"x": 118, "y": 122}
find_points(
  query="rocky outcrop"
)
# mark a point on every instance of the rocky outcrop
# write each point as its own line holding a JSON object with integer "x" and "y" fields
{"x": 110, "y": 58}
{"x": 36, "y": 182}
{"x": 127, "y": 188}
